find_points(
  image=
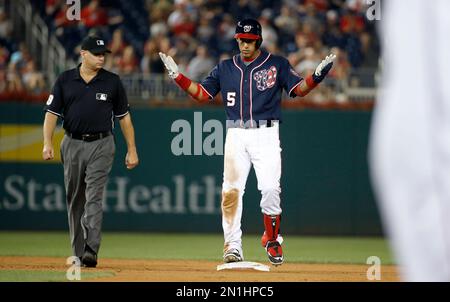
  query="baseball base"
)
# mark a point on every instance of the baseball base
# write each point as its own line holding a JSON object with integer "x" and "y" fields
{"x": 243, "y": 265}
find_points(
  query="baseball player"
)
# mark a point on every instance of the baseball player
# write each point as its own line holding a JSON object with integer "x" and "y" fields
{"x": 251, "y": 84}
{"x": 410, "y": 139}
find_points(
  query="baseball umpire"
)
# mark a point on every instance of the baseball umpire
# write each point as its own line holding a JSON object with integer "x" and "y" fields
{"x": 251, "y": 84}
{"x": 88, "y": 98}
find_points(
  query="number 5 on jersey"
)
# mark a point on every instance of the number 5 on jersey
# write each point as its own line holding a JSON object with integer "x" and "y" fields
{"x": 231, "y": 99}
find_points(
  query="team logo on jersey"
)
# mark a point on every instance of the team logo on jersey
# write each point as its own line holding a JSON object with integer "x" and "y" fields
{"x": 265, "y": 78}
{"x": 247, "y": 28}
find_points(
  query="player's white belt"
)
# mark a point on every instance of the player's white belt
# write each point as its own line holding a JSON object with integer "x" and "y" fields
{"x": 253, "y": 125}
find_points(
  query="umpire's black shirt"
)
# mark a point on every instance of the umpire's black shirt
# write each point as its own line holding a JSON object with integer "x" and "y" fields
{"x": 88, "y": 107}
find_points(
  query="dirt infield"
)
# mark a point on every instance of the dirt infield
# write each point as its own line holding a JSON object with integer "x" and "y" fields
{"x": 199, "y": 271}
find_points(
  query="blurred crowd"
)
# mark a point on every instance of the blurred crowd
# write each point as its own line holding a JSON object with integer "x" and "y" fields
{"x": 18, "y": 74}
{"x": 199, "y": 33}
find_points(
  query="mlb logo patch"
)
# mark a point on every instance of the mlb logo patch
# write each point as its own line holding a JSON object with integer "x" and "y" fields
{"x": 101, "y": 96}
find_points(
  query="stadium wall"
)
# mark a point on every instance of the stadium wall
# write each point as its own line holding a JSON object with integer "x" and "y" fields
{"x": 325, "y": 182}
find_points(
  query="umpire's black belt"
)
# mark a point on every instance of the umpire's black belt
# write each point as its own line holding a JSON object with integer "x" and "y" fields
{"x": 89, "y": 137}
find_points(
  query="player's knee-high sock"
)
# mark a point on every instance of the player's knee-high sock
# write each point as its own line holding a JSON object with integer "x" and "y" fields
{"x": 271, "y": 228}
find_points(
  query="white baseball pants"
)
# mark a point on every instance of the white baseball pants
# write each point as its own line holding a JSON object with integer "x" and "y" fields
{"x": 244, "y": 147}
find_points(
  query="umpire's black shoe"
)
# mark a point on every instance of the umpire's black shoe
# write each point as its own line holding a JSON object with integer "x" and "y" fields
{"x": 89, "y": 258}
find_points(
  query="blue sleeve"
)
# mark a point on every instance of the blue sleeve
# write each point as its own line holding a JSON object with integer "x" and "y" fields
{"x": 290, "y": 78}
{"x": 212, "y": 82}
{"x": 55, "y": 101}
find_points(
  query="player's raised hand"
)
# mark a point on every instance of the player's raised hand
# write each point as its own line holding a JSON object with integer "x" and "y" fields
{"x": 170, "y": 64}
{"x": 323, "y": 68}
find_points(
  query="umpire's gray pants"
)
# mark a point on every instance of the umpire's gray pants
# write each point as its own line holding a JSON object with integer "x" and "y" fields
{"x": 86, "y": 169}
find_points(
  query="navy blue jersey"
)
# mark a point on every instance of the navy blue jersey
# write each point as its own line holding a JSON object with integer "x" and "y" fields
{"x": 253, "y": 92}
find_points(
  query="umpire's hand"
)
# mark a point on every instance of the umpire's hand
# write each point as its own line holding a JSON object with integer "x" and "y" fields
{"x": 131, "y": 159}
{"x": 48, "y": 152}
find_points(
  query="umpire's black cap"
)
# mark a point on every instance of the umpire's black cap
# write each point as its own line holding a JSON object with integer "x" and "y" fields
{"x": 95, "y": 45}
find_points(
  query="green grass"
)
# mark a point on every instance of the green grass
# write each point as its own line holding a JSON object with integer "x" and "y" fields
{"x": 44, "y": 276}
{"x": 353, "y": 250}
